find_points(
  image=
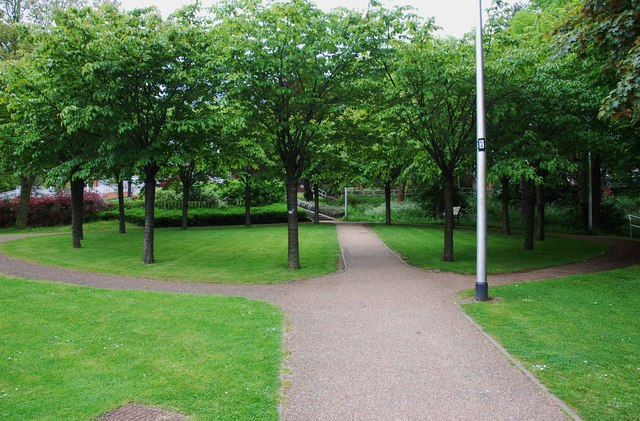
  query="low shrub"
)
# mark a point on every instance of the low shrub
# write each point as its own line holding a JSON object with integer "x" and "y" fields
{"x": 263, "y": 192}
{"x": 54, "y": 210}
{"x": 168, "y": 195}
{"x": 402, "y": 212}
{"x": 332, "y": 210}
{"x": 234, "y": 215}
{"x": 375, "y": 210}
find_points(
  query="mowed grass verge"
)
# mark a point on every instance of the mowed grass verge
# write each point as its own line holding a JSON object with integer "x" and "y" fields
{"x": 89, "y": 226}
{"x": 423, "y": 246}
{"x": 69, "y": 352}
{"x": 220, "y": 254}
{"x": 579, "y": 335}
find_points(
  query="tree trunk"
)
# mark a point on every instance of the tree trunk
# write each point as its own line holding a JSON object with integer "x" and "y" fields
{"x": 150, "y": 172}
{"x": 316, "y": 203}
{"x": 540, "y": 214}
{"x": 596, "y": 189}
{"x": 247, "y": 201}
{"x": 129, "y": 188}
{"x": 506, "y": 223}
{"x": 523, "y": 196}
{"x": 402, "y": 189}
{"x": 22, "y": 213}
{"x": 387, "y": 202}
{"x": 186, "y": 191}
{"x": 121, "y": 216}
{"x": 528, "y": 203}
{"x": 77, "y": 193}
{"x": 293, "y": 249}
{"x": 448, "y": 217}
{"x": 308, "y": 191}
{"x": 439, "y": 200}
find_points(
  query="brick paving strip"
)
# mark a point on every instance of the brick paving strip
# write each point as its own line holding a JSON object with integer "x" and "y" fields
{"x": 380, "y": 340}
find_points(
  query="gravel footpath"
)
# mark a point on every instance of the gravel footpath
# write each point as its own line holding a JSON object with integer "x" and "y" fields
{"x": 380, "y": 340}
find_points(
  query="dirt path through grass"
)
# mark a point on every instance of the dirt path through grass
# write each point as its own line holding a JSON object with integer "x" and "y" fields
{"x": 380, "y": 340}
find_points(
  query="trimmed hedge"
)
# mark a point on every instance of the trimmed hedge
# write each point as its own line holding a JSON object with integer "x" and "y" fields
{"x": 53, "y": 210}
{"x": 271, "y": 214}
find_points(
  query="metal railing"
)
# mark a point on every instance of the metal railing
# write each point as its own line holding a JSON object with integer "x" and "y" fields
{"x": 378, "y": 192}
{"x": 170, "y": 204}
{"x": 634, "y": 222}
{"x": 8, "y": 195}
{"x": 324, "y": 194}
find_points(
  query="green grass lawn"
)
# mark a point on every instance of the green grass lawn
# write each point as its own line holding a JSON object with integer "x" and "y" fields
{"x": 91, "y": 226}
{"x": 221, "y": 254}
{"x": 69, "y": 352}
{"x": 423, "y": 246}
{"x": 579, "y": 335}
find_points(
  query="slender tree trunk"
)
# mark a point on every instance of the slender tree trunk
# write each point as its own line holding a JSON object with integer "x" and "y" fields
{"x": 186, "y": 192}
{"x": 540, "y": 236}
{"x": 596, "y": 189}
{"x": 387, "y": 202}
{"x": 77, "y": 193}
{"x": 506, "y": 223}
{"x": 439, "y": 200}
{"x": 150, "y": 172}
{"x": 293, "y": 251}
{"x": 308, "y": 190}
{"x": 528, "y": 203}
{"x": 22, "y": 214}
{"x": 523, "y": 196}
{"x": 129, "y": 188}
{"x": 247, "y": 201}
{"x": 402, "y": 189}
{"x": 448, "y": 217}
{"x": 121, "y": 216}
{"x": 316, "y": 203}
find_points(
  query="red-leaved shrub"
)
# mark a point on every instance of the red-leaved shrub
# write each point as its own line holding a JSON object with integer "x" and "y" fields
{"x": 51, "y": 210}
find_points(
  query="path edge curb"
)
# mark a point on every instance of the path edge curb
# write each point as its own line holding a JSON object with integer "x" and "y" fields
{"x": 368, "y": 226}
{"x": 342, "y": 256}
{"x": 513, "y": 360}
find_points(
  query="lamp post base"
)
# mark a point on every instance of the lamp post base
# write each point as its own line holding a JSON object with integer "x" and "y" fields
{"x": 482, "y": 291}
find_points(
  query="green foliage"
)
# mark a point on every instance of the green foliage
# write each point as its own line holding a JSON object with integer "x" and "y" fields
{"x": 290, "y": 63}
{"x": 578, "y": 335}
{"x": 208, "y": 193}
{"x": 171, "y": 196}
{"x": 168, "y": 195}
{"x": 263, "y": 192}
{"x": 72, "y": 352}
{"x": 256, "y": 255}
{"x": 375, "y": 211}
{"x": 334, "y": 210}
{"x": 233, "y": 215}
{"x": 8, "y": 182}
{"x": 610, "y": 28}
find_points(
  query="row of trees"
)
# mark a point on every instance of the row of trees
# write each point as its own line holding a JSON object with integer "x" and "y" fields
{"x": 335, "y": 97}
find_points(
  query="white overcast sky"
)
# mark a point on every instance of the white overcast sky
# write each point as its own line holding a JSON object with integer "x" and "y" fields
{"x": 455, "y": 16}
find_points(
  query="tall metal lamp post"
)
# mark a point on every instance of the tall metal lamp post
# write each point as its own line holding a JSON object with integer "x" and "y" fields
{"x": 482, "y": 287}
